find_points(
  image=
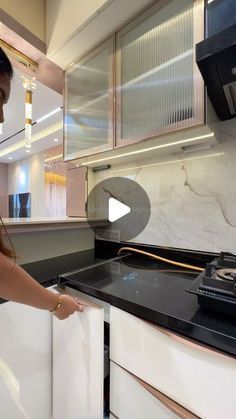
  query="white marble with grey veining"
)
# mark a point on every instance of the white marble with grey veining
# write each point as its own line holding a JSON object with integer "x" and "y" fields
{"x": 193, "y": 199}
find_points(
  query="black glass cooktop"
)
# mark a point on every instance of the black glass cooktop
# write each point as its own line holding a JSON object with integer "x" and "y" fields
{"x": 157, "y": 292}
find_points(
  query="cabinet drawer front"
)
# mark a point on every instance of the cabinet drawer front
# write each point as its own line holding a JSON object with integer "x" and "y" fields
{"x": 200, "y": 379}
{"x": 129, "y": 399}
{"x": 78, "y": 363}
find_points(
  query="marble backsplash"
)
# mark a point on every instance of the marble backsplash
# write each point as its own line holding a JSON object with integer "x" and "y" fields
{"x": 193, "y": 196}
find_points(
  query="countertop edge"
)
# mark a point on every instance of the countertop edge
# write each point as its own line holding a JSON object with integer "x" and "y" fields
{"x": 42, "y": 224}
{"x": 185, "y": 329}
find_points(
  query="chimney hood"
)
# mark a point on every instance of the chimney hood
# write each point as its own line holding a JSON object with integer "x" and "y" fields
{"x": 216, "y": 59}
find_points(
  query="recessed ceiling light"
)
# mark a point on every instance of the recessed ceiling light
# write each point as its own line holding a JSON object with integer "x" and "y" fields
{"x": 10, "y": 158}
{"x": 55, "y": 140}
{"x": 27, "y": 151}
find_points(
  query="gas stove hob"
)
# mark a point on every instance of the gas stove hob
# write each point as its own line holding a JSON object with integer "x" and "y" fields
{"x": 216, "y": 285}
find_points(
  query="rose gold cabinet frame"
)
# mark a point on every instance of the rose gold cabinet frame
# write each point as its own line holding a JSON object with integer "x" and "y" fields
{"x": 109, "y": 43}
{"x": 198, "y": 119}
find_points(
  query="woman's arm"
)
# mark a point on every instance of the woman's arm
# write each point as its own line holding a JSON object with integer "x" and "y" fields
{"x": 18, "y": 286}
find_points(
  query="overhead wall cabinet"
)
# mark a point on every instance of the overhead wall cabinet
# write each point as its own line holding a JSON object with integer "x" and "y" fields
{"x": 157, "y": 88}
{"x": 88, "y": 106}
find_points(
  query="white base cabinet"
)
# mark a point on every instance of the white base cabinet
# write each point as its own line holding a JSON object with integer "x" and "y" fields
{"x": 25, "y": 362}
{"x": 55, "y": 369}
{"x": 200, "y": 379}
{"x": 78, "y": 362}
{"x": 130, "y": 400}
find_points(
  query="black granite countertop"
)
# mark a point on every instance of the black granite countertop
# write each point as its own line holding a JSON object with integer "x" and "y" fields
{"x": 47, "y": 271}
{"x": 148, "y": 289}
{"x": 156, "y": 292}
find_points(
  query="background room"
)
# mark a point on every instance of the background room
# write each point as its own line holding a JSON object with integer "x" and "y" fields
{"x": 33, "y": 180}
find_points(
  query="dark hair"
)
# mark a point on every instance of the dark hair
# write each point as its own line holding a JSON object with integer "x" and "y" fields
{"x": 6, "y": 250}
{"x": 5, "y": 67}
{"x": 5, "y": 64}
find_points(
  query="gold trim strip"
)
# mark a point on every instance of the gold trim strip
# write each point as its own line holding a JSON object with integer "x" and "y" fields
{"x": 28, "y": 96}
{"x": 19, "y": 56}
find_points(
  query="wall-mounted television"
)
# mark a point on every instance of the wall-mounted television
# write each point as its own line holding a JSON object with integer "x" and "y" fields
{"x": 19, "y": 205}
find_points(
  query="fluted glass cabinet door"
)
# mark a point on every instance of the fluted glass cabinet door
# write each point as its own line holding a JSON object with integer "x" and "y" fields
{"x": 158, "y": 86}
{"x": 88, "y": 106}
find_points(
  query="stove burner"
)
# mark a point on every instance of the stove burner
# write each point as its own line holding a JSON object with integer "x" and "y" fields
{"x": 228, "y": 274}
{"x": 216, "y": 286}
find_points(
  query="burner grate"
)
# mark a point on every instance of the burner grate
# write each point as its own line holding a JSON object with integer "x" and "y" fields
{"x": 216, "y": 286}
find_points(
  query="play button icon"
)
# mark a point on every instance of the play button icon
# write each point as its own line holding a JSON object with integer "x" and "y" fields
{"x": 123, "y": 205}
{"x": 117, "y": 210}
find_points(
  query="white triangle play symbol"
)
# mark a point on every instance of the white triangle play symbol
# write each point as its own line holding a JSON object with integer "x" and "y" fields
{"x": 117, "y": 209}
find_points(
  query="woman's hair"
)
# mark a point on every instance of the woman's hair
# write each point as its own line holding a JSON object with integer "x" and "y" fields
{"x": 5, "y": 68}
{"x": 5, "y": 64}
{"x": 7, "y": 251}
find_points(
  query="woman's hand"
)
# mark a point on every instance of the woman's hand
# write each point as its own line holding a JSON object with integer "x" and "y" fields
{"x": 17, "y": 285}
{"x": 68, "y": 306}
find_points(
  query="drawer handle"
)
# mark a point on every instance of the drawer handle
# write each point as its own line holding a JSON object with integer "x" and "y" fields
{"x": 170, "y": 404}
{"x": 187, "y": 342}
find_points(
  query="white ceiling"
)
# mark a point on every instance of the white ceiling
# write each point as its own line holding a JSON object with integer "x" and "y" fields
{"x": 44, "y": 101}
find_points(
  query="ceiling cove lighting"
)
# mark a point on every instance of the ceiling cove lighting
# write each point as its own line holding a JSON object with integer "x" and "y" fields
{"x": 29, "y": 85}
{"x": 48, "y": 115}
{"x": 59, "y": 156}
{"x": 35, "y": 137}
{"x": 144, "y": 150}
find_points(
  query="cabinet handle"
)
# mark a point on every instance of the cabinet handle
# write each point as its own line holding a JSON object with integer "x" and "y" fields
{"x": 72, "y": 293}
{"x": 170, "y": 404}
{"x": 187, "y": 342}
{"x": 173, "y": 406}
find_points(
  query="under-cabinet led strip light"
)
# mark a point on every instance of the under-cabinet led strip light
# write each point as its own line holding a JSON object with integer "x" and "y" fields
{"x": 169, "y": 162}
{"x": 144, "y": 150}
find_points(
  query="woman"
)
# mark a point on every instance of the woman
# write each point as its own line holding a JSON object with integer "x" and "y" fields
{"x": 15, "y": 284}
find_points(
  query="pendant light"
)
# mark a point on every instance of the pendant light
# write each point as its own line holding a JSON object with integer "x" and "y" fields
{"x": 29, "y": 85}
